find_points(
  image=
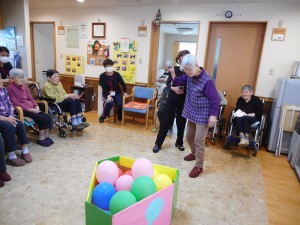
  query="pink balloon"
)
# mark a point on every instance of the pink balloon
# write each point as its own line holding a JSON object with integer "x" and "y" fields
{"x": 107, "y": 171}
{"x": 120, "y": 172}
{"x": 124, "y": 183}
{"x": 128, "y": 173}
{"x": 142, "y": 167}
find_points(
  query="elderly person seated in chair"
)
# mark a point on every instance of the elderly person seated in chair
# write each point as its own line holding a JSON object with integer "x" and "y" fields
{"x": 9, "y": 127}
{"x": 19, "y": 96}
{"x": 249, "y": 110}
{"x": 67, "y": 102}
{"x": 111, "y": 91}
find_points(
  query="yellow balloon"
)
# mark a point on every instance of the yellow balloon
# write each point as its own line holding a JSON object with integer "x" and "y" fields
{"x": 155, "y": 173}
{"x": 161, "y": 181}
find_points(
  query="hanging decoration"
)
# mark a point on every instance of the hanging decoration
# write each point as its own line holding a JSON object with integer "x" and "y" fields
{"x": 157, "y": 18}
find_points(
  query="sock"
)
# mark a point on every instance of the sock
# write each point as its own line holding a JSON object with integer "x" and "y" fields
{"x": 12, "y": 155}
{"x": 25, "y": 150}
{"x": 242, "y": 136}
{"x": 247, "y": 137}
{"x": 74, "y": 121}
{"x": 42, "y": 137}
{"x": 79, "y": 119}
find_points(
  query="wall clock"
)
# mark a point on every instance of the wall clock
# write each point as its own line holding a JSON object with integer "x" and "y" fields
{"x": 228, "y": 14}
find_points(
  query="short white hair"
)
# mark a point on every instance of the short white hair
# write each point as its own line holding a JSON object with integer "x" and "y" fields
{"x": 189, "y": 60}
{"x": 13, "y": 73}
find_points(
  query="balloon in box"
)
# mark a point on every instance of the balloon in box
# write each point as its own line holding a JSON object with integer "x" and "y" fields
{"x": 157, "y": 208}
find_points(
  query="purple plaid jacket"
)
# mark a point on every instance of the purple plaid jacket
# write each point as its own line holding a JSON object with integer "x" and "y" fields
{"x": 202, "y": 99}
{"x": 6, "y": 107}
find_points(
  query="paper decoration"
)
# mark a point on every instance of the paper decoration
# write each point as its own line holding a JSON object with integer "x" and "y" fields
{"x": 125, "y": 62}
{"x": 74, "y": 64}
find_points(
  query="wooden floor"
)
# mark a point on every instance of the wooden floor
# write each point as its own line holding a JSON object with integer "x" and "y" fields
{"x": 282, "y": 189}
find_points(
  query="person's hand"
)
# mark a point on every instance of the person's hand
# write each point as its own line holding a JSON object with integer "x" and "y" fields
{"x": 126, "y": 95}
{"x": 251, "y": 114}
{"x": 12, "y": 120}
{"x": 211, "y": 121}
{"x": 109, "y": 98}
{"x": 34, "y": 110}
{"x": 177, "y": 90}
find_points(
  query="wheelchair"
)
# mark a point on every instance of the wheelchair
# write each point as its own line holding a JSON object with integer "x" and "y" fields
{"x": 60, "y": 119}
{"x": 217, "y": 131}
{"x": 255, "y": 134}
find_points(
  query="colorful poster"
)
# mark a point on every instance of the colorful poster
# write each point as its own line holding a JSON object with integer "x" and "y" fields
{"x": 74, "y": 64}
{"x": 97, "y": 53}
{"x": 125, "y": 62}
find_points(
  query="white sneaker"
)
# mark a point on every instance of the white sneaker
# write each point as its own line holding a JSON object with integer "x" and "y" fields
{"x": 243, "y": 143}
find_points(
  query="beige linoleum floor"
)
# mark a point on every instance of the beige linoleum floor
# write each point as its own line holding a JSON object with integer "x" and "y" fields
{"x": 53, "y": 188}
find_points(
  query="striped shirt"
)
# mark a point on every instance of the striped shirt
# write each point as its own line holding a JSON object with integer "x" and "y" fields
{"x": 202, "y": 99}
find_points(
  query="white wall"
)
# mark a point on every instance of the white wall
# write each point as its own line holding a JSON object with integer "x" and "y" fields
{"x": 123, "y": 22}
{"x": 14, "y": 14}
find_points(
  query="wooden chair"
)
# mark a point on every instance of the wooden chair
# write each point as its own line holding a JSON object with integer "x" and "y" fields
{"x": 147, "y": 97}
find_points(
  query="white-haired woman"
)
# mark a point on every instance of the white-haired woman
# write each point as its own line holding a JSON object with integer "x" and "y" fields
{"x": 201, "y": 108}
{"x": 20, "y": 96}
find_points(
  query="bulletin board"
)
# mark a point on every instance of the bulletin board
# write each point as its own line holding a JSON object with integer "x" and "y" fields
{"x": 74, "y": 64}
{"x": 125, "y": 59}
{"x": 96, "y": 54}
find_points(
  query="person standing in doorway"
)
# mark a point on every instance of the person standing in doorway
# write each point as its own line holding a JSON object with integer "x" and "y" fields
{"x": 201, "y": 108}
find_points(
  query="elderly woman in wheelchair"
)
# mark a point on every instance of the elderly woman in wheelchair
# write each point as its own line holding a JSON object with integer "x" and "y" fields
{"x": 20, "y": 97}
{"x": 63, "y": 102}
{"x": 248, "y": 116}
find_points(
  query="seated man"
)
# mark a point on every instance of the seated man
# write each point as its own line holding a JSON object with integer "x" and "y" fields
{"x": 9, "y": 127}
{"x": 20, "y": 96}
{"x": 111, "y": 92}
{"x": 67, "y": 102}
{"x": 252, "y": 110}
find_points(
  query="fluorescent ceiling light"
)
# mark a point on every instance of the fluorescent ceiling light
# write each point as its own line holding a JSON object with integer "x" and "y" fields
{"x": 80, "y": 0}
{"x": 184, "y": 30}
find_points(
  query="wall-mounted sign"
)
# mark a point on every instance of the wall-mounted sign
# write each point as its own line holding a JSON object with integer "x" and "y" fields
{"x": 278, "y": 34}
{"x": 142, "y": 31}
{"x": 61, "y": 30}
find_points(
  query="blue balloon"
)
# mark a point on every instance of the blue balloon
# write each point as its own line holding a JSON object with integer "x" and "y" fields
{"x": 102, "y": 194}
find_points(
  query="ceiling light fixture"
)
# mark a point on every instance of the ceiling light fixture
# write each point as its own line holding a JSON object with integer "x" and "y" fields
{"x": 80, "y": 0}
{"x": 184, "y": 30}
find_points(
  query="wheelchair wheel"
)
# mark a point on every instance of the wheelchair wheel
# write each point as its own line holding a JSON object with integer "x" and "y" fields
{"x": 222, "y": 123}
{"x": 255, "y": 149}
{"x": 62, "y": 133}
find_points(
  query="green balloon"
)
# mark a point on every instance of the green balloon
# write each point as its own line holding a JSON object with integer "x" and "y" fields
{"x": 142, "y": 187}
{"x": 121, "y": 200}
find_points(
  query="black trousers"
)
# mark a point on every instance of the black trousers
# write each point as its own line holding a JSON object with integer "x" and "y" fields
{"x": 70, "y": 105}
{"x": 43, "y": 120}
{"x": 174, "y": 106}
{"x": 118, "y": 100}
{"x": 243, "y": 123}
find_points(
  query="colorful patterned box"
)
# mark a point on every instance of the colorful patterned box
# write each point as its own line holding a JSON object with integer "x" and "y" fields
{"x": 156, "y": 209}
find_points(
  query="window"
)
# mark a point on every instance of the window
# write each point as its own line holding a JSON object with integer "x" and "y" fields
{"x": 191, "y": 46}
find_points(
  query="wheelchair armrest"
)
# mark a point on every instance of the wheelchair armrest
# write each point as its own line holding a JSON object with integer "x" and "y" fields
{"x": 47, "y": 99}
{"x": 45, "y": 103}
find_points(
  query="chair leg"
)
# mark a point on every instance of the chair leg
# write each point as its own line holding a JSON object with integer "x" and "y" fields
{"x": 115, "y": 113}
{"x": 123, "y": 116}
{"x": 147, "y": 116}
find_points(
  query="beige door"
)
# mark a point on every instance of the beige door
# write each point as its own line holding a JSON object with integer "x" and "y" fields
{"x": 233, "y": 57}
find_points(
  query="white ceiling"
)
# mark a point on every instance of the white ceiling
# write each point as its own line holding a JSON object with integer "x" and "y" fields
{"x": 96, "y": 3}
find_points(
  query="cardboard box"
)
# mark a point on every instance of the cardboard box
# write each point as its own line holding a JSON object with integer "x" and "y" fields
{"x": 143, "y": 212}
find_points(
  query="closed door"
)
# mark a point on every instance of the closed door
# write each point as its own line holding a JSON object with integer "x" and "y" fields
{"x": 43, "y": 50}
{"x": 233, "y": 57}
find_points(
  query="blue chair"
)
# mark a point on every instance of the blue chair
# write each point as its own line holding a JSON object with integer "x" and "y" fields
{"x": 142, "y": 100}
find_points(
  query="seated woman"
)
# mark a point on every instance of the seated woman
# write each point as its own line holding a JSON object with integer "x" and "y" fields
{"x": 9, "y": 127}
{"x": 20, "y": 96}
{"x": 111, "y": 92}
{"x": 253, "y": 109}
{"x": 5, "y": 65}
{"x": 67, "y": 102}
